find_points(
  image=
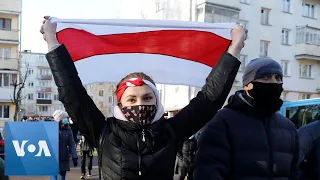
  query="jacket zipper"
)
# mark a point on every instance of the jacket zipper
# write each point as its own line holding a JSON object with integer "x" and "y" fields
{"x": 139, "y": 156}
{"x": 143, "y": 136}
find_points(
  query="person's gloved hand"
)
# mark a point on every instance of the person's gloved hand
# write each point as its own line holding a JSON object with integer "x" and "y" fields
{"x": 75, "y": 162}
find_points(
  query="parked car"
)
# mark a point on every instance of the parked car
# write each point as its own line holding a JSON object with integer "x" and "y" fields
{"x": 1, "y": 146}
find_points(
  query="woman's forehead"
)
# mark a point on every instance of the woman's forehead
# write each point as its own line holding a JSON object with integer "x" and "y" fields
{"x": 138, "y": 91}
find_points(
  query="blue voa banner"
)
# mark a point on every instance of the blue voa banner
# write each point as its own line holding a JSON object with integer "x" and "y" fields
{"x": 31, "y": 148}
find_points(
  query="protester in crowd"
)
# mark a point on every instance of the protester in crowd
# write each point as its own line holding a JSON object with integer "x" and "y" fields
{"x": 66, "y": 145}
{"x": 309, "y": 158}
{"x": 86, "y": 151}
{"x": 142, "y": 146}
{"x": 188, "y": 152}
{"x": 249, "y": 139}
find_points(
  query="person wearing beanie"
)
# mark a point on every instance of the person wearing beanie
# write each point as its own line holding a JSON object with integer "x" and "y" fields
{"x": 66, "y": 144}
{"x": 248, "y": 138}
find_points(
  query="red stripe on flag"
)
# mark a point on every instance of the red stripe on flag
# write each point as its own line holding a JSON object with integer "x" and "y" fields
{"x": 197, "y": 46}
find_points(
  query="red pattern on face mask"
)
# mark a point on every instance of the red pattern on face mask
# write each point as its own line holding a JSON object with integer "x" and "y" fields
{"x": 141, "y": 114}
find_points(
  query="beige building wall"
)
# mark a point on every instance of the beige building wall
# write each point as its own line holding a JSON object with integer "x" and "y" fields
{"x": 103, "y": 95}
{"x": 9, "y": 54}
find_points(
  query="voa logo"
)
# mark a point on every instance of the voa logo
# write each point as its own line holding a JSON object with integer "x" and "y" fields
{"x": 41, "y": 146}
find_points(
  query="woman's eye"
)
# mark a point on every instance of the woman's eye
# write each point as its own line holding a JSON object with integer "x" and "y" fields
{"x": 147, "y": 98}
{"x": 131, "y": 100}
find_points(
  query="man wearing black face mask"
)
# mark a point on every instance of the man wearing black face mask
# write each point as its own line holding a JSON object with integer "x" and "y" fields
{"x": 248, "y": 139}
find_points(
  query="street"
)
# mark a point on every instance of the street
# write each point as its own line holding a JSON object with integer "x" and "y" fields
{"x": 74, "y": 173}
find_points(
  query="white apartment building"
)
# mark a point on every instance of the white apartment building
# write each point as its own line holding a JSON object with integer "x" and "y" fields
{"x": 285, "y": 30}
{"x": 10, "y": 13}
{"x": 40, "y": 92}
{"x": 103, "y": 95}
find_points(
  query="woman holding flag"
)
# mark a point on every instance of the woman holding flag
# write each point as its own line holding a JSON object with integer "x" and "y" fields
{"x": 138, "y": 143}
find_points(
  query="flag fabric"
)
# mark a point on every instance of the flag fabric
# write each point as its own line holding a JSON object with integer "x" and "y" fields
{"x": 171, "y": 52}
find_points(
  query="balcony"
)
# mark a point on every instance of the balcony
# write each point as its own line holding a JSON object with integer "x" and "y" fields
{"x": 45, "y": 77}
{"x": 6, "y": 94}
{"x": 308, "y": 43}
{"x": 10, "y": 6}
{"x": 44, "y": 89}
{"x": 44, "y": 101}
{"x": 9, "y": 63}
{"x": 9, "y": 36}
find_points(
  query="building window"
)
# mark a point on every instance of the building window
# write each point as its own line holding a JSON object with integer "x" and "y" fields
{"x": 304, "y": 96}
{"x": 42, "y": 58}
{"x": 4, "y": 111}
{"x": 110, "y": 99}
{"x": 284, "y": 96}
{"x": 6, "y": 80}
{"x": 101, "y": 93}
{"x": 214, "y": 14}
{"x": 308, "y": 35}
{"x": 244, "y": 1}
{"x": 243, "y": 59}
{"x": 5, "y": 24}
{"x": 285, "y": 36}
{"x": 265, "y": 16}
{"x": 56, "y": 97}
{"x": 285, "y": 67}
{"x": 30, "y": 71}
{"x": 311, "y": 36}
{"x": 30, "y": 84}
{"x": 244, "y": 24}
{"x": 43, "y": 108}
{"x": 159, "y": 5}
{"x": 5, "y": 53}
{"x": 45, "y": 83}
{"x": 45, "y": 72}
{"x": 308, "y": 10}
{"x": 264, "y": 46}
{"x": 286, "y": 6}
{"x": 30, "y": 96}
{"x": 44, "y": 96}
{"x": 305, "y": 70}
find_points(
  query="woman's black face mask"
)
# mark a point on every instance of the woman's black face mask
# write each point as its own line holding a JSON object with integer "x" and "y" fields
{"x": 266, "y": 96}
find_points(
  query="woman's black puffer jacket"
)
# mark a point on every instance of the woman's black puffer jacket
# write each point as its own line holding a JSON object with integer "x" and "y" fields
{"x": 124, "y": 153}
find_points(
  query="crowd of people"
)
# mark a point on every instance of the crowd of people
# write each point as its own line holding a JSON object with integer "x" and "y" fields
{"x": 246, "y": 139}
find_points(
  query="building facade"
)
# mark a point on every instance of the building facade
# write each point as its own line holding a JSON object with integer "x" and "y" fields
{"x": 103, "y": 95}
{"x": 285, "y": 30}
{"x": 40, "y": 92}
{"x": 10, "y": 12}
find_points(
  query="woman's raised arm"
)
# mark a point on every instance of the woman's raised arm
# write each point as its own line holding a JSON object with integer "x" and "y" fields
{"x": 211, "y": 98}
{"x": 72, "y": 94}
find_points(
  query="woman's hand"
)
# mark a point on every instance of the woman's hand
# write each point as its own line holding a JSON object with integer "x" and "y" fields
{"x": 238, "y": 37}
{"x": 48, "y": 31}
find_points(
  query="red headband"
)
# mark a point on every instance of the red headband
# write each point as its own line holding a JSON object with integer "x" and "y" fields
{"x": 129, "y": 83}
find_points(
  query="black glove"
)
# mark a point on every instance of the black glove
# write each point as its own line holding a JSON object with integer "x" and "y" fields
{"x": 75, "y": 162}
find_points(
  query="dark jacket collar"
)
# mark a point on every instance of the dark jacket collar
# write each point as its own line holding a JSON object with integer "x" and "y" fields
{"x": 242, "y": 102}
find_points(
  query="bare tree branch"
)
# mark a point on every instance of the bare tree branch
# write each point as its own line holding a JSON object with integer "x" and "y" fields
{"x": 17, "y": 90}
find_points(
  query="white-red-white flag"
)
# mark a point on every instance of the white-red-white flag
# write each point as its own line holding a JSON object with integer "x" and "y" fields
{"x": 171, "y": 52}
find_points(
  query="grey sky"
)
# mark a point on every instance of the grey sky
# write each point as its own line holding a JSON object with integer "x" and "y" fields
{"x": 34, "y": 10}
